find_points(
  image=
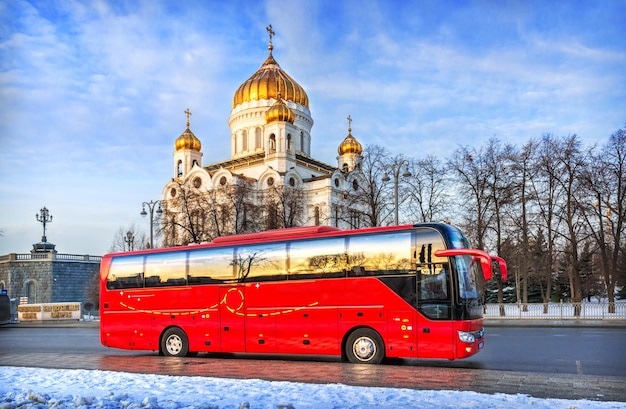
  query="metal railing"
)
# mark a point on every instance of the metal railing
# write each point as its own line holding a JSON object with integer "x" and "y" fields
{"x": 7, "y": 258}
{"x": 558, "y": 311}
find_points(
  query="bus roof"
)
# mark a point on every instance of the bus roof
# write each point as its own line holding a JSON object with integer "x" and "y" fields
{"x": 275, "y": 234}
{"x": 279, "y": 234}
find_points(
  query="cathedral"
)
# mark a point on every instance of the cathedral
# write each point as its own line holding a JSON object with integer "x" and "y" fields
{"x": 271, "y": 179}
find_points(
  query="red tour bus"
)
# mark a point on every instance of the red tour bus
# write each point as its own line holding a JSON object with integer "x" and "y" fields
{"x": 401, "y": 291}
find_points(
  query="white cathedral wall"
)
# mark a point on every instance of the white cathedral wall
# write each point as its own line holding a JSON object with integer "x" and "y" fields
{"x": 251, "y": 114}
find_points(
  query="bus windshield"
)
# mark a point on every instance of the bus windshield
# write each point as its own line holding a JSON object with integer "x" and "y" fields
{"x": 467, "y": 269}
{"x": 466, "y": 266}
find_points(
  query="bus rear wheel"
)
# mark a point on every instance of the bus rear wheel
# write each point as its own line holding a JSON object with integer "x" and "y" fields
{"x": 365, "y": 346}
{"x": 175, "y": 343}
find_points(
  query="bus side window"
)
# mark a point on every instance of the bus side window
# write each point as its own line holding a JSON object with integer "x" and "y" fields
{"x": 433, "y": 276}
{"x": 434, "y": 286}
{"x": 379, "y": 254}
{"x": 209, "y": 266}
{"x": 165, "y": 269}
{"x": 318, "y": 258}
{"x": 125, "y": 272}
{"x": 262, "y": 262}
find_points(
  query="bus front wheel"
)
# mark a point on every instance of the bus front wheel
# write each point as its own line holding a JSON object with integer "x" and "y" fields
{"x": 175, "y": 343}
{"x": 365, "y": 346}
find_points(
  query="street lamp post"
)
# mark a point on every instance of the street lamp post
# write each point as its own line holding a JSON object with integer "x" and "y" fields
{"x": 151, "y": 204}
{"x": 395, "y": 169}
{"x": 130, "y": 238}
{"x": 44, "y": 217}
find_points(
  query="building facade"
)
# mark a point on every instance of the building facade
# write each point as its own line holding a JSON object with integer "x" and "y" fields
{"x": 271, "y": 179}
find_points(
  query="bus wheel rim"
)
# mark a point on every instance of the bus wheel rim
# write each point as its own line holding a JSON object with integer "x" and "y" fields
{"x": 364, "y": 348}
{"x": 174, "y": 344}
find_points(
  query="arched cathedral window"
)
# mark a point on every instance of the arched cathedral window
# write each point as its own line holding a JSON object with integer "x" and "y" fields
{"x": 257, "y": 138}
{"x": 272, "y": 143}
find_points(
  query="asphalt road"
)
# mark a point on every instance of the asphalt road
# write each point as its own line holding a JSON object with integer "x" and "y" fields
{"x": 571, "y": 363}
{"x": 580, "y": 351}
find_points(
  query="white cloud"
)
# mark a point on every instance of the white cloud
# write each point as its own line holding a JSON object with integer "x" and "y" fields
{"x": 92, "y": 94}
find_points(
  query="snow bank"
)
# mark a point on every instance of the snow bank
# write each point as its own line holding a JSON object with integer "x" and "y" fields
{"x": 58, "y": 388}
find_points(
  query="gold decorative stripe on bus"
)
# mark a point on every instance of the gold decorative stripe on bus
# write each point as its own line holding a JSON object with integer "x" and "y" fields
{"x": 165, "y": 312}
{"x": 236, "y": 312}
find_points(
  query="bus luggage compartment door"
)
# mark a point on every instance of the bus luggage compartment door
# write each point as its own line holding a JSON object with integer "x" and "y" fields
{"x": 435, "y": 339}
{"x": 232, "y": 318}
{"x": 401, "y": 334}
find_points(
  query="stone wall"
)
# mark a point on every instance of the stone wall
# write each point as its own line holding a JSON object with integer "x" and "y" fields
{"x": 58, "y": 278}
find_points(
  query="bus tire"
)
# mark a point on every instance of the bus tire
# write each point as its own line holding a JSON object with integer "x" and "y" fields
{"x": 365, "y": 346}
{"x": 175, "y": 342}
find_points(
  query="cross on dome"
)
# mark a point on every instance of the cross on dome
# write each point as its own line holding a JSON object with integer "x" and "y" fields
{"x": 188, "y": 113}
{"x": 271, "y": 33}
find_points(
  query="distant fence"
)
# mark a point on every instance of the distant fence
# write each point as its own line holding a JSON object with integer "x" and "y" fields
{"x": 7, "y": 258}
{"x": 557, "y": 311}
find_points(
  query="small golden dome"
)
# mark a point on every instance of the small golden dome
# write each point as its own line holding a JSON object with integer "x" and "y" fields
{"x": 350, "y": 144}
{"x": 266, "y": 83}
{"x": 187, "y": 140}
{"x": 279, "y": 112}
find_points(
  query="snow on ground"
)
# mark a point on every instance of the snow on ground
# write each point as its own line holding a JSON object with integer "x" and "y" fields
{"x": 65, "y": 388}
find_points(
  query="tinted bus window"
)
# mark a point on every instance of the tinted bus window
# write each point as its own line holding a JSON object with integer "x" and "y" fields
{"x": 209, "y": 266}
{"x": 433, "y": 276}
{"x": 165, "y": 269}
{"x": 317, "y": 258}
{"x": 374, "y": 254}
{"x": 125, "y": 272}
{"x": 261, "y": 262}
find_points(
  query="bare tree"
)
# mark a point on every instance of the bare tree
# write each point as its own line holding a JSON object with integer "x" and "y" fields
{"x": 245, "y": 211}
{"x": 129, "y": 238}
{"x": 472, "y": 180}
{"x": 605, "y": 180}
{"x": 498, "y": 160}
{"x": 366, "y": 191}
{"x": 92, "y": 293}
{"x": 428, "y": 199}
{"x": 184, "y": 215}
{"x": 523, "y": 172}
{"x": 545, "y": 189}
{"x": 284, "y": 206}
{"x": 570, "y": 165}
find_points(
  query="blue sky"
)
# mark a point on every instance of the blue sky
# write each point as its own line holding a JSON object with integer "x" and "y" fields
{"x": 92, "y": 93}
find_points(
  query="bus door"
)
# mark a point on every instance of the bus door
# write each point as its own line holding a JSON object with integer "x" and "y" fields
{"x": 232, "y": 317}
{"x": 434, "y": 302}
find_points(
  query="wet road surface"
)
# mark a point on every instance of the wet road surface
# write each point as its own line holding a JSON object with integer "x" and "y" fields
{"x": 76, "y": 349}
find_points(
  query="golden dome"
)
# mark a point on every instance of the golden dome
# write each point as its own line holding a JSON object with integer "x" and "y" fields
{"x": 187, "y": 140}
{"x": 266, "y": 83}
{"x": 350, "y": 144}
{"x": 279, "y": 112}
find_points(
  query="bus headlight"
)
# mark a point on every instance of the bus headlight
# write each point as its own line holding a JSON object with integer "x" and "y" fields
{"x": 466, "y": 337}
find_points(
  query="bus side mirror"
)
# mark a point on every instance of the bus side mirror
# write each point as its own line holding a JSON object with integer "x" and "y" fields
{"x": 485, "y": 266}
{"x": 480, "y": 255}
